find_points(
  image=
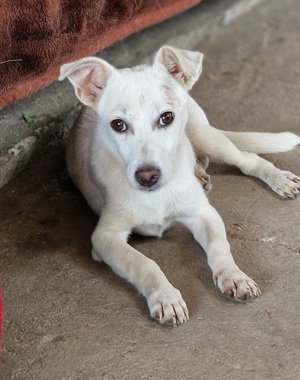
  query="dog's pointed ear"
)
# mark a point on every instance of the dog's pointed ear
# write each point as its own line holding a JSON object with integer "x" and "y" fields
{"x": 89, "y": 77}
{"x": 184, "y": 65}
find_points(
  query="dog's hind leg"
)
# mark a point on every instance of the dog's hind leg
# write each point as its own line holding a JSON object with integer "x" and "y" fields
{"x": 209, "y": 230}
{"x": 211, "y": 142}
{"x": 110, "y": 245}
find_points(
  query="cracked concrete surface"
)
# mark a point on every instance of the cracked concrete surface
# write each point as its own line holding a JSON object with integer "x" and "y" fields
{"x": 67, "y": 317}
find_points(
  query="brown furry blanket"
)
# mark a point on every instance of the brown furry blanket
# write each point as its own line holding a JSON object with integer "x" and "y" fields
{"x": 37, "y": 36}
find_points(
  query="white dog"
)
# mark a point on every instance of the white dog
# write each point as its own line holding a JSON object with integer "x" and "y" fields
{"x": 132, "y": 155}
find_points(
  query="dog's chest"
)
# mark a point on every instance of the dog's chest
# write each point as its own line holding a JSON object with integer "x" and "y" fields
{"x": 152, "y": 216}
{"x": 153, "y": 229}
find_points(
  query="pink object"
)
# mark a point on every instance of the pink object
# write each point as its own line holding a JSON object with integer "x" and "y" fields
{"x": 0, "y": 318}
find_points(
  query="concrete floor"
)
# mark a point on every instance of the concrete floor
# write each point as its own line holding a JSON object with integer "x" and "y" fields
{"x": 67, "y": 317}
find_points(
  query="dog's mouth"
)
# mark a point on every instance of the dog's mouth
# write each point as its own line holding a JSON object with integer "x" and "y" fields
{"x": 152, "y": 188}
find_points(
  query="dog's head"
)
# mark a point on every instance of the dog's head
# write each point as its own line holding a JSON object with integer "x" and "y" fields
{"x": 142, "y": 111}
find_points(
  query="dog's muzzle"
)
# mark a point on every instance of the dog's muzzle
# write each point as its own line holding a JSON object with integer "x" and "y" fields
{"x": 147, "y": 176}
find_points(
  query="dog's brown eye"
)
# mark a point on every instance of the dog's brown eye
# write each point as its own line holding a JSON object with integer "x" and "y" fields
{"x": 118, "y": 125}
{"x": 166, "y": 118}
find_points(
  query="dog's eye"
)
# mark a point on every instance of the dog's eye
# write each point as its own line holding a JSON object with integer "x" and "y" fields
{"x": 166, "y": 118}
{"x": 118, "y": 125}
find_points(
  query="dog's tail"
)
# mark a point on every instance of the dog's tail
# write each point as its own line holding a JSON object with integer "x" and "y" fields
{"x": 263, "y": 143}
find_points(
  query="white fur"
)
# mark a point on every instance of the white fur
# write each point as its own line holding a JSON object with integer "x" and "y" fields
{"x": 263, "y": 143}
{"x": 103, "y": 163}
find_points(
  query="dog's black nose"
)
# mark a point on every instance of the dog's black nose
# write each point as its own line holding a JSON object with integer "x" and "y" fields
{"x": 147, "y": 176}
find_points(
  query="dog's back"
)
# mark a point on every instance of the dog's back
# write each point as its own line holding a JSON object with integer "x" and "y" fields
{"x": 79, "y": 157}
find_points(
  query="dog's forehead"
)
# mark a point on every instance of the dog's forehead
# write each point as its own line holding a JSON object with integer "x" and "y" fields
{"x": 145, "y": 85}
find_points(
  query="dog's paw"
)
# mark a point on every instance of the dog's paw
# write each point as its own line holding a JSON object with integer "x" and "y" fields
{"x": 204, "y": 179}
{"x": 236, "y": 285}
{"x": 95, "y": 255}
{"x": 286, "y": 184}
{"x": 167, "y": 306}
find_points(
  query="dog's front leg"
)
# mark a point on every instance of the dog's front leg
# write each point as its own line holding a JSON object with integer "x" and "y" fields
{"x": 164, "y": 301}
{"x": 209, "y": 230}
